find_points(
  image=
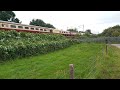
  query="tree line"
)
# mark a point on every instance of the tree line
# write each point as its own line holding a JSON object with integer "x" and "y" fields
{"x": 111, "y": 31}
{"x": 8, "y": 16}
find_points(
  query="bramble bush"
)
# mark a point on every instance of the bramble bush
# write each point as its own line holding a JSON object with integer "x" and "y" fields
{"x": 22, "y": 44}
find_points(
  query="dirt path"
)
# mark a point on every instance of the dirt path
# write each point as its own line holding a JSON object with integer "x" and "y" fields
{"x": 117, "y": 45}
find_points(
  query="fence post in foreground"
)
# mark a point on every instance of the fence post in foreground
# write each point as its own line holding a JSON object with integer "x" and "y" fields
{"x": 71, "y": 71}
{"x": 106, "y": 47}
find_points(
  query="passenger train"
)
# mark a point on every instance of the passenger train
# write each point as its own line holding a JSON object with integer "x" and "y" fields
{"x": 5, "y": 25}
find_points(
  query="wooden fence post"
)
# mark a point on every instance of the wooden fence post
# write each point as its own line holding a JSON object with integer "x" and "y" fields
{"x": 106, "y": 49}
{"x": 71, "y": 71}
{"x": 106, "y": 46}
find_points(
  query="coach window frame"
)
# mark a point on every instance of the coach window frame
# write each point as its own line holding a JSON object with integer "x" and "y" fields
{"x": 20, "y": 27}
{"x": 32, "y": 28}
{"x": 13, "y": 26}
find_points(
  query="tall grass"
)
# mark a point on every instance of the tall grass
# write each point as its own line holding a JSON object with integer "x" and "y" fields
{"x": 55, "y": 65}
{"x": 89, "y": 59}
{"x": 108, "y": 66}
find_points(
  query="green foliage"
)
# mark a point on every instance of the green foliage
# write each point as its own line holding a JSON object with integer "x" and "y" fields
{"x": 49, "y": 25}
{"x": 87, "y": 35}
{"x": 16, "y": 20}
{"x": 39, "y": 22}
{"x": 89, "y": 59}
{"x": 109, "y": 65}
{"x": 116, "y": 33}
{"x": 72, "y": 30}
{"x": 115, "y": 27}
{"x": 20, "y": 44}
{"x": 8, "y": 16}
{"x": 111, "y": 31}
{"x": 55, "y": 65}
{"x": 88, "y": 31}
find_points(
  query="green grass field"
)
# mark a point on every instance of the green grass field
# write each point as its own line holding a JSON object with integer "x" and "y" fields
{"x": 89, "y": 59}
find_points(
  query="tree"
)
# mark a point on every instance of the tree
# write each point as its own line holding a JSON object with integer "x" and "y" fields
{"x": 116, "y": 33}
{"x": 111, "y": 31}
{"x": 16, "y": 20}
{"x": 8, "y": 16}
{"x": 115, "y": 27}
{"x": 88, "y": 31}
{"x": 72, "y": 30}
{"x": 39, "y": 22}
{"x": 49, "y": 25}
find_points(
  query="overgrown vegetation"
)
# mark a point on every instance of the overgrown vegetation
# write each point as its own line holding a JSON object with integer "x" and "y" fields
{"x": 55, "y": 65}
{"x": 20, "y": 44}
{"x": 9, "y": 16}
{"x": 89, "y": 59}
{"x": 108, "y": 66}
{"x": 40, "y": 22}
{"x": 111, "y": 31}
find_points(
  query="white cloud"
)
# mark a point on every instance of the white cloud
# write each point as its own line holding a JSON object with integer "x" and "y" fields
{"x": 97, "y": 21}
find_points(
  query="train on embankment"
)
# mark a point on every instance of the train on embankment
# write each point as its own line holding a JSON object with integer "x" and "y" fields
{"x": 6, "y": 25}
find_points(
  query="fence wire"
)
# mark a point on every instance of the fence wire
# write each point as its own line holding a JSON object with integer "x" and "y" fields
{"x": 92, "y": 66}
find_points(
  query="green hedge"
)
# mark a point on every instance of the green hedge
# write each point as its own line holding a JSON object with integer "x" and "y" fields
{"x": 18, "y": 44}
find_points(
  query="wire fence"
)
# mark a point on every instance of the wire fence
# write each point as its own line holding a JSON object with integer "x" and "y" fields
{"x": 99, "y": 40}
{"x": 92, "y": 67}
{"x": 90, "y": 70}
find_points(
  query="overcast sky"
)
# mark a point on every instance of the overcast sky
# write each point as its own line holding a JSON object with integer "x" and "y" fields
{"x": 97, "y": 21}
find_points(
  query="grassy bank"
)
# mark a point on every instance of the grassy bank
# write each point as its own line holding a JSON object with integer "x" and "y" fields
{"x": 89, "y": 59}
{"x": 109, "y": 65}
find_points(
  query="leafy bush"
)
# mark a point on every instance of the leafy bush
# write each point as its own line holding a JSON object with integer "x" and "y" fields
{"x": 21, "y": 44}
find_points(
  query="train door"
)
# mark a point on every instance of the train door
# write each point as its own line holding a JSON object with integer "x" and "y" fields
{"x": 51, "y": 31}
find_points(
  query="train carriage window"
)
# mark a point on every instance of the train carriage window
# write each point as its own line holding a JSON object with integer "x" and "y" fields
{"x": 20, "y": 26}
{"x": 2, "y": 25}
{"x": 12, "y": 26}
{"x": 37, "y": 29}
{"x": 45, "y": 30}
{"x": 32, "y": 28}
{"x": 41, "y": 29}
{"x": 51, "y": 31}
{"x": 26, "y": 27}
